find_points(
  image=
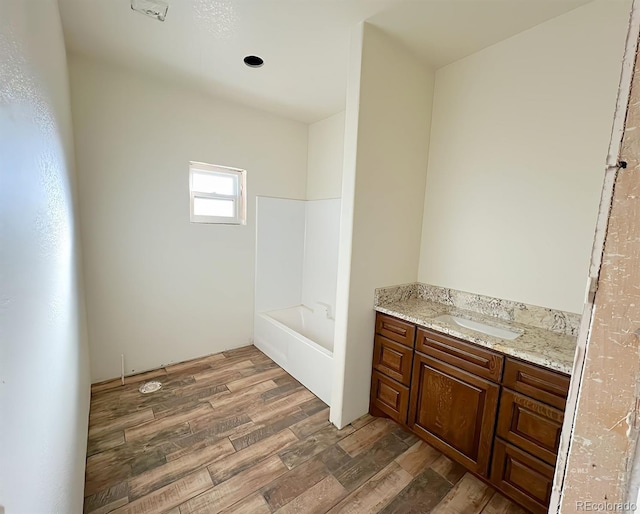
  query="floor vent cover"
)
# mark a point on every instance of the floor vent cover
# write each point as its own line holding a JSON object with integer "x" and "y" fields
{"x": 150, "y": 387}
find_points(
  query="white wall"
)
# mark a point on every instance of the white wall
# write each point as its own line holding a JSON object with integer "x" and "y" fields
{"x": 386, "y": 146}
{"x": 280, "y": 235}
{"x": 518, "y": 147}
{"x": 44, "y": 369}
{"x": 324, "y": 187}
{"x": 160, "y": 289}
{"x": 320, "y": 266}
{"x": 325, "y": 158}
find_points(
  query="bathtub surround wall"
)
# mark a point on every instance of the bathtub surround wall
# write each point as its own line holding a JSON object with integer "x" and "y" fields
{"x": 561, "y": 322}
{"x": 280, "y": 230}
{"x": 296, "y": 253}
{"x": 386, "y": 144}
{"x": 320, "y": 263}
{"x": 296, "y": 266}
{"x": 518, "y": 144}
{"x": 159, "y": 288}
{"x": 44, "y": 365}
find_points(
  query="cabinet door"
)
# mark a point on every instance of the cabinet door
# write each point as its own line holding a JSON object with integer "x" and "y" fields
{"x": 454, "y": 411}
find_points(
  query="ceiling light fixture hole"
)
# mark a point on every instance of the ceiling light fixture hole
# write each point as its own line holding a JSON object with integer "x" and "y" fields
{"x": 253, "y": 61}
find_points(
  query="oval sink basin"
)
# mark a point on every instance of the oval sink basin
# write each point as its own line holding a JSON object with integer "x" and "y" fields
{"x": 502, "y": 333}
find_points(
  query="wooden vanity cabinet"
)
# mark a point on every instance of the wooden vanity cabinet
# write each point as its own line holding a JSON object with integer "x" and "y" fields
{"x": 392, "y": 361}
{"x": 530, "y": 417}
{"x": 499, "y": 417}
{"x": 454, "y": 411}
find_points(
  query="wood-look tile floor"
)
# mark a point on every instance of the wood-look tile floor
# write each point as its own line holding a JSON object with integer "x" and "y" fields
{"x": 235, "y": 433}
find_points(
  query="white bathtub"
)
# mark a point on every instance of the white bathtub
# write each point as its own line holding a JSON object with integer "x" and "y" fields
{"x": 301, "y": 342}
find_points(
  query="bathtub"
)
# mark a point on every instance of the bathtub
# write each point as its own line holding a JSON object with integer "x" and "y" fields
{"x": 301, "y": 342}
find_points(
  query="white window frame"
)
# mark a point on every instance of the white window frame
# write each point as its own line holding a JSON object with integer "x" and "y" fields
{"x": 239, "y": 199}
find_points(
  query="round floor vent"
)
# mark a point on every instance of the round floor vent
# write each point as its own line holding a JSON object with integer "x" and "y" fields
{"x": 150, "y": 387}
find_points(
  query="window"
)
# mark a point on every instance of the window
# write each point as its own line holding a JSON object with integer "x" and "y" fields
{"x": 218, "y": 194}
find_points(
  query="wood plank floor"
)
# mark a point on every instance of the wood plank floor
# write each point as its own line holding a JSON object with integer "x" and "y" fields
{"x": 234, "y": 433}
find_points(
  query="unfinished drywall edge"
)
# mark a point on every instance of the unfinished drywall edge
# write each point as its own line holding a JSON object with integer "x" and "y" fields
{"x": 604, "y": 211}
{"x": 624, "y": 90}
{"x": 615, "y": 144}
{"x": 603, "y": 433}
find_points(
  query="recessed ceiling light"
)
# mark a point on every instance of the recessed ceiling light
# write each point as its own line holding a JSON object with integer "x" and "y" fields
{"x": 253, "y": 61}
{"x": 156, "y": 9}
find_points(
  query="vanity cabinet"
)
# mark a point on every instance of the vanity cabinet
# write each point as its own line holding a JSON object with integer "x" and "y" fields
{"x": 530, "y": 417}
{"x": 499, "y": 417}
{"x": 454, "y": 411}
{"x": 392, "y": 361}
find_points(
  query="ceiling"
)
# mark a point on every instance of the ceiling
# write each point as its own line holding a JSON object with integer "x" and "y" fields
{"x": 443, "y": 31}
{"x": 305, "y": 43}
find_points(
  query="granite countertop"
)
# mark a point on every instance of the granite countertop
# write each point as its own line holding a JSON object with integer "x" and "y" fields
{"x": 536, "y": 345}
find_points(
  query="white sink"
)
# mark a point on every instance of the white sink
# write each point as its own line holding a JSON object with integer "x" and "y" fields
{"x": 502, "y": 333}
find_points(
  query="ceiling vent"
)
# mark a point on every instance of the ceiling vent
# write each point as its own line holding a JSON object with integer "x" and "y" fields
{"x": 155, "y": 9}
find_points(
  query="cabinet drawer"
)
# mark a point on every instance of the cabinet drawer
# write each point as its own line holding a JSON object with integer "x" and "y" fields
{"x": 526, "y": 479}
{"x": 393, "y": 359}
{"x": 539, "y": 383}
{"x": 396, "y": 330}
{"x": 530, "y": 424}
{"x": 389, "y": 396}
{"x": 479, "y": 361}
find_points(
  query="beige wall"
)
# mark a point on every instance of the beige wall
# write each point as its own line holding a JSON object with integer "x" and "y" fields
{"x": 325, "y": 159}
{"x": 44, "y": 366}
{"x": 386, "y": 145}
{"x": 159, "y": 288}
{"x": 518, "y": 144}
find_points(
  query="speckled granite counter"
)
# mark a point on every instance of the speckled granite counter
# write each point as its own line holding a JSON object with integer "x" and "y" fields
{"x": 536, "y": 345}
